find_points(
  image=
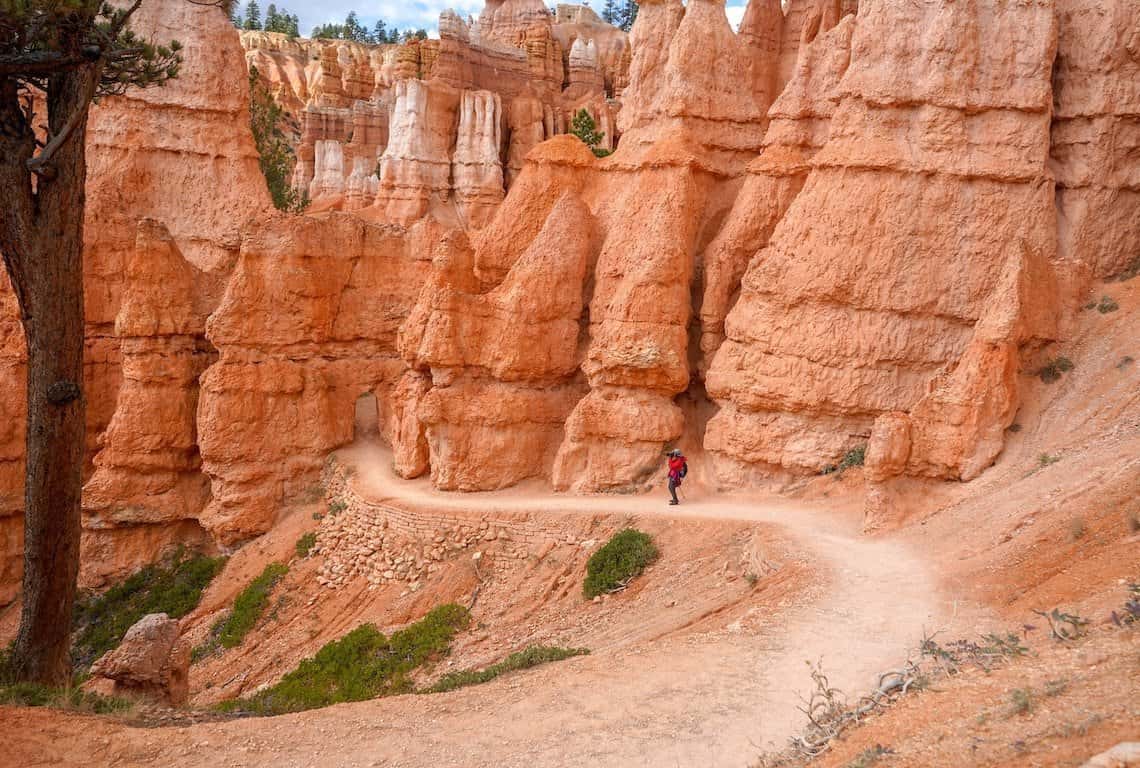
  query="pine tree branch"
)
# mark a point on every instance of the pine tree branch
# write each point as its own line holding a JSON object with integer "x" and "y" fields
{"x": 33, "y": 63}
{"x": 41, "y": 164}
{"x": 121, "y": 19}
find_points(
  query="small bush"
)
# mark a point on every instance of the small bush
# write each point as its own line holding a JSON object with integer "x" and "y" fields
{"x": 1021, "y": 701}
{"x": 1130, "y": 612}
{"x": 364, "y": 664}
{"x": 1055, "y": 687}
{"x": 870, "y": 756}
{"x": 173, "y": 588}
{"x": 305, "y": 544}
{"x": 1107, "y": 304}
{"x": 1077, "y": 529}
{"x": 853, "y": 458}
{"x": 249, "y": 605}
{"x": 1064, "y": 626}
{"x": 337, "y": 506}
{"x": 1131, "y": 271}
{"x": 618, "y": 561}
{"x": 1053, "y": 370}
{"x": 1047, "y": 459}
{"x": 533, "y": 656}
{"x": 73, "y": 698}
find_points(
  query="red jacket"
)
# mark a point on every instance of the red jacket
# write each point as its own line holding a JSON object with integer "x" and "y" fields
{"x": 675, "y": 464}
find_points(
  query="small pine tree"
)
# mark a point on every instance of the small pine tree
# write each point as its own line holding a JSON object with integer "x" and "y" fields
{"x": 610, "y": 12}
{"x": 380, "y": 32}
{"x": 626, "y": 15}
{"x": 354, "y": 30}
{"x": 275, "y": 156}
{"x": 252, "y": 16}
{"x": 584, "y": 127}
{"x": 272, "y": 20}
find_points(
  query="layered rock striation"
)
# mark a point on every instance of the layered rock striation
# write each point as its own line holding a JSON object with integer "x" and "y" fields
{"x": 308, "y": 325}
{"x": 201, "y": 182}
{"x": 858, "y": 317}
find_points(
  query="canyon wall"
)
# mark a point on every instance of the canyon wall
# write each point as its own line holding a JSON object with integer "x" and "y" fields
{"x": 855, "y": 309}
{"x": 179, "y": 159}
{"x": 844, "y": 226}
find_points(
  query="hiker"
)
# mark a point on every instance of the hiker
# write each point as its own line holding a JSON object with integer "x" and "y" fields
{"x": 678, "y": 468}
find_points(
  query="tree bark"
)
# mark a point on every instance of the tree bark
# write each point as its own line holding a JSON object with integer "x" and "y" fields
{"x": 46, "y": 269}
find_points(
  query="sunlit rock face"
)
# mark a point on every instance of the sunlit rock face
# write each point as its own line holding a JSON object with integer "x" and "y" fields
{"x": 854, "y": 308}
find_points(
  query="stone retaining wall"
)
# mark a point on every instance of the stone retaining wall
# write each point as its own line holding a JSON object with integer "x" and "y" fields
{"x": 386, "y": 543}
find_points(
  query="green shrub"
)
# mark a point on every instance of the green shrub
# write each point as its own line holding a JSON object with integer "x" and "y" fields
{"x": 173, "y": 587}
{"x": 305, "y": 544}
{"x": 583, "y": 126}
{"x": 364, "y": 664}
{"x": 249, "y": 605}
{"x": 1021, "y": 701}
{"x": 337, "y": 506}
{"x": 1131, "y": 271}
{"x": 870, "y": 756}
{"x": 1107, "y": 304}
{"x": 269, "y": 122}
{"x": 533, "y": 656}
{"x": 853, "y": 458}
{"x": 1052, "y": 370}
{"x": 619, "y": 560}
{"x": 34, "y": 695}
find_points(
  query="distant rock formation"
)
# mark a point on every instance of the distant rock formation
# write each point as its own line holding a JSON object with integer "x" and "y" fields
{"x": 447, "y": 121}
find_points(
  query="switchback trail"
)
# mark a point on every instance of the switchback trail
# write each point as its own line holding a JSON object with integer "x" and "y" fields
{"x": 715, "y": 698}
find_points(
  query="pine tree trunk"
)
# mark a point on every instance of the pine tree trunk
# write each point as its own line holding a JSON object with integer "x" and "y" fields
{"x": 48, "y": 280}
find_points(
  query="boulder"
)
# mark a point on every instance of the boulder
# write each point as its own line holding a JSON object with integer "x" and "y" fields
{"x": 149, "y": 662}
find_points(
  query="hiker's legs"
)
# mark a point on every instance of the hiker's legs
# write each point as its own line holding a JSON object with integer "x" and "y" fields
{"x": 673, "y": 491}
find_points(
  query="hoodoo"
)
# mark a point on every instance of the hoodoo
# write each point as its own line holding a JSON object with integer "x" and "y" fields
{"x": 866, "y": 268}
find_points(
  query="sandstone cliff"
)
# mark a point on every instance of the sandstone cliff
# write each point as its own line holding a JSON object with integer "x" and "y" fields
{"x": 181, "y": 155}
{"x": 855, "y": 308}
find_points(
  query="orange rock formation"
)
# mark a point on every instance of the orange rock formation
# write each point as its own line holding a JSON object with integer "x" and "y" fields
{"x": 441, "y": 126}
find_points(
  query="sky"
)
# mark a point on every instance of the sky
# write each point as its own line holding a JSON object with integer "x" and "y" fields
{"x": 407, "y": 14}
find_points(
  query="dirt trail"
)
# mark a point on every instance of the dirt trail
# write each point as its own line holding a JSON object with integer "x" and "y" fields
{"x": 711, "y": 699}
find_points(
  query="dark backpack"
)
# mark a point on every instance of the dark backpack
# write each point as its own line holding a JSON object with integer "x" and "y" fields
{"x": 684, "y": 469}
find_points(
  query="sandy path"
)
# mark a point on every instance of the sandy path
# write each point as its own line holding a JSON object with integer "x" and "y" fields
{"x": 714, "y": 699}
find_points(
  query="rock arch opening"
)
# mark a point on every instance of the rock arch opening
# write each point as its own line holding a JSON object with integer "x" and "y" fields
{"x": 366, "y": 425}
